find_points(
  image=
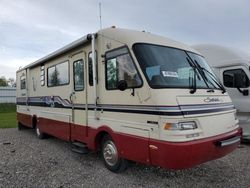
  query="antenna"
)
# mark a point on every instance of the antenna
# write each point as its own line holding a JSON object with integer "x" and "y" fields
{"x": 100, "y": 14}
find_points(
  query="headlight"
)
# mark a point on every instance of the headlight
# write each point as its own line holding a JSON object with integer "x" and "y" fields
{"x": 180, "y": 126}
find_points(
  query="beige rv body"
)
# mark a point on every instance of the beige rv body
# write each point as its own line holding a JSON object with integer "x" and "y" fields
{"x": 139, "y": 136}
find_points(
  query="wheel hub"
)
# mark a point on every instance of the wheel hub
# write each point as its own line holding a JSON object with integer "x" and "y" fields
{"x": 110, "y": 153}
{"x": 37, "y": 131}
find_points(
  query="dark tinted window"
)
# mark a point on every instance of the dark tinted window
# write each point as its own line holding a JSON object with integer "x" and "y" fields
{"x": 23, "y": 83}
{"x": 78, "y": 75}
{"x": 91, "y": 69}
{"x": 230, "y": 76}
{"x": 58, "y": 74}
{"x": 120, "y": 66}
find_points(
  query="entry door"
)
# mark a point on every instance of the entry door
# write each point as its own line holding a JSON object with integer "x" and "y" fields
{"x": 78, "y": 98}
{"x": 227, "y": 75}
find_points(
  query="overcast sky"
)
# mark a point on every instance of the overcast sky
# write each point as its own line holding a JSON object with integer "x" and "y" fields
{"x": 30, "y": 29}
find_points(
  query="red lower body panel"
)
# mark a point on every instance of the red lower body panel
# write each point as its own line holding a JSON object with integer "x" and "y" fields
{"x": 55, "y": 128}
{"x": 188, "y": 154}
{"x": 165, "y": 154}
{"x": 133, "y": 147}
{"x": 78, "y": 133}
{"x": 24, "y": 119}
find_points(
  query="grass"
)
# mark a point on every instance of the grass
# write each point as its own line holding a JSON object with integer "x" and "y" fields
{"x": 8, "y": 116}
{"x": 7, "y": 107}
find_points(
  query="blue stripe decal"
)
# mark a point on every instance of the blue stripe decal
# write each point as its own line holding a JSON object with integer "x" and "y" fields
{"x": 57, "y": 102}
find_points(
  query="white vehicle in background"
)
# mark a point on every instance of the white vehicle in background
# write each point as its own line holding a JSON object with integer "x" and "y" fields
{"x": 232, "y": 67}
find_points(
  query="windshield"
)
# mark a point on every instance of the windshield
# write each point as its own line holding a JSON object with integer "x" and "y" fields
{"x": 209, "y": 76}
{"x": 166, "y": 67}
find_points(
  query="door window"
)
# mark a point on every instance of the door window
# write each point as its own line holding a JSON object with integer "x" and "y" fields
{"x": 78, "y": 75}
{"x": 91, "y": 69}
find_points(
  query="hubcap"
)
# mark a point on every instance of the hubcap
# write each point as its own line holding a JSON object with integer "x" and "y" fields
{"x": 110, "y": 153}
{"x": 38, "y": 131}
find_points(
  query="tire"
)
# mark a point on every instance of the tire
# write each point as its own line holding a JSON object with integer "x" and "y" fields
{"x": 20, "y": 126}
{"x": 110, "y": 156}
{"x": 39, "y": 134}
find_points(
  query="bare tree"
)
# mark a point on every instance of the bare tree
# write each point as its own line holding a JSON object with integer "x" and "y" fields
{"x": 11, "y": 82}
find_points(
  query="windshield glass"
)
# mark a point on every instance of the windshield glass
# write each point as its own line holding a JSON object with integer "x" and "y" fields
{"x": 166, "y": 67}
{"x": 208, "y": 73}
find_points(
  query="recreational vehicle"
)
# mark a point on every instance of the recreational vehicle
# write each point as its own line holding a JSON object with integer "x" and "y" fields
{"x": 131, "y": 96}
{"x": 232, "y": 68}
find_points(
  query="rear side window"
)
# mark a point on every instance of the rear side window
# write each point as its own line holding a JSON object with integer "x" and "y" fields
{"x": 42, "y": 75}
{"x": 119, "y": 66}
{"x": 23, "y": 82}
{"x": 59, "y": 74}
{"x": 229, "y": 78}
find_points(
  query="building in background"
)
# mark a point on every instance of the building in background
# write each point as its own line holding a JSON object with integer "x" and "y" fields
{"x": 7, "y": 95}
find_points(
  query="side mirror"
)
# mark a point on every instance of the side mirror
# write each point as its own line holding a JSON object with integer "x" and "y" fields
{"x": 245, "y": 92}
{"x": 122, "y": 85}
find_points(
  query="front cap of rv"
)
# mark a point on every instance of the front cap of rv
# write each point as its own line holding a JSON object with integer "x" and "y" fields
{"x": 195, "y": 116}
{"x": 183, "y": 116}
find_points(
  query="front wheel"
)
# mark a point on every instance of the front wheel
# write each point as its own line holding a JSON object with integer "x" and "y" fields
{"x": 110, "y": 155}
{"x": 39, "y": 134}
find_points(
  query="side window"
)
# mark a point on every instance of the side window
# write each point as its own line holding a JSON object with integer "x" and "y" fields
{"x": 91, "y": 69}
{"x": 58, "y": 75}
{"x": 119, "y": 66}
{"x": 42, "y": 75}
{"x": 23, "y": 82}
{"x": 230, "y": 77}
{"x": 78, "y": 75}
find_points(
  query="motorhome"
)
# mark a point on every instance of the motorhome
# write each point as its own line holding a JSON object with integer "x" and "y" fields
{"x": 232, "y": 68}
{"x": 132, "y": 96}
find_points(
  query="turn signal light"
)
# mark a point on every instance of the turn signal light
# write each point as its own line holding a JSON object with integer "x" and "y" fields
{"x": 180, "y": 126}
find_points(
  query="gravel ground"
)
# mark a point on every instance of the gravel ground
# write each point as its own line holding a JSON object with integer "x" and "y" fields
{"x": 29, "y": 162}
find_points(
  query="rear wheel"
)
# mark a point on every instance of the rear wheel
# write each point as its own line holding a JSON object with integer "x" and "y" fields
{"x": 110, "y": 155}
{"x": 39, "y": 133}
{"x": 20, "y": 126}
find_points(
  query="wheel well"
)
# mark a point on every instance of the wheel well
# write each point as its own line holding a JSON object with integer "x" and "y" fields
{"x": 34, "y": 121}
{"x": 98, "y": 139}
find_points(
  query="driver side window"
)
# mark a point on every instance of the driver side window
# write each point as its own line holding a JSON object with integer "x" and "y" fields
{"x": 119, "y": 66}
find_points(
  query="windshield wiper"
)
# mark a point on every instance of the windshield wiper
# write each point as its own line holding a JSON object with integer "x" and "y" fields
{"x": 193, "y": 87}
{"x": 213, "y": 78}
{"x": 205, "y": 77}
{"x": 206, "y": 80}
{"x": 195, "y": 64}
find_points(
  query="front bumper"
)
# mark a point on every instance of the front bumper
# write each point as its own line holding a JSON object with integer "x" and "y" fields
{"x": 183, "y": 155}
